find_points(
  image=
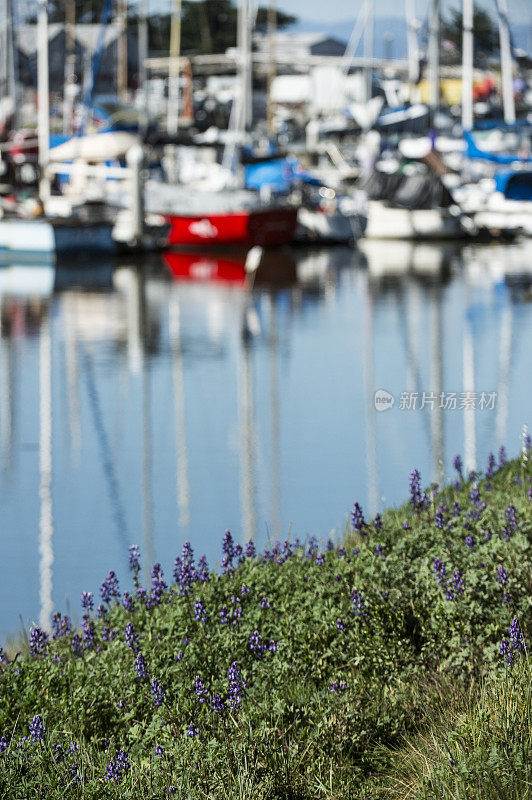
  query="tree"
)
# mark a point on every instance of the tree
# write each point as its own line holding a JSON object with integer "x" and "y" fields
{"x": 485, "y": 34}
{"x": 207, "y": 26}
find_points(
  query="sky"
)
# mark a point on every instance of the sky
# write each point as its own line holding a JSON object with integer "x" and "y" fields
{"x": 520, "y": 11}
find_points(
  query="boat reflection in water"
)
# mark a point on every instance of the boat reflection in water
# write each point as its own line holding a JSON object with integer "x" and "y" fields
{"x": 171, "y": 398}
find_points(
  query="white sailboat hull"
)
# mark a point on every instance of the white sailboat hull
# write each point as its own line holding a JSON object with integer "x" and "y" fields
{"x": 385, "y": 222}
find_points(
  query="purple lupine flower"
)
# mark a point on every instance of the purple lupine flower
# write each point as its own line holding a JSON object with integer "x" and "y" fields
{"x": 312, "y": 546}
{"x": 474, "y": 494}
{"x": 199, "y": 612}
{"x": 109, "y": 587}
{"x": 418, "y": 499}
{"x": 158, "y": 586}
{"x": 330, "y": 545}
{"x": 56, "y": 624}
{"x": 511, "y": 646}
{"x": 258, "y": 646}
{"x": 438, "y": 568}
{"x": 203, "y": 570}
{"x": 458, "y": 582}
{"x": 159, "y": 750}
{"x": 456, "y": 509}
{"x": 340, "y": 625}
{"x": 141, "y": 668}
{"x": 224, "y": 615}
{"x": 492, "y": 466}
{"x": 379, "y": 552}
{"x": 4, "y": 744}
{"x": 118, "y": 766}
{"x": 89, "y": 634}
{"x": 517, "y": 641}
{"x": 250, "y": 550}
{"x": 38, "y": 641}
{"x": 192, "y": 731}
{"x": 128, "y": 602}
{"x": 228, "y": 547}
{"x": 184, "y": 570}
{"x": 134, "y": 559}
{"x": 511, "y": 519}
{"x": 199, "y": 689}
{"x": 236, "y": 686}
{"x": 355, "y": 551}
{"x": 87, "y": 601}
{"x": 244, "y": 589}
{"x": 377, "y": 522}
{"x": 470, "y": 542}
{"x": 358, "y": 603}
{"x": 217, "y": 704}
{"x": 337, "y": 687}
{"x": 439, "y": 518}
{"x": 107, "y": 634}
{"x": 76, "y": 646}
{"x": 264, "y": 603}
{"x": 157, "y": 692}
{"x": 505, "y": 651}
{"x": 101, "y": 611}
{"x": 59, "y": 754}
{"x": 132, "y": 639}
{"x": 37, "y": 729}
{"x": 340, "y": 551}
{"x": 357, "y": 518}
{"x": 457, "y": 463}
{"x": 502, "y": 576}
{"x": 320, "y": 559}
{"x": 502, "y": 457}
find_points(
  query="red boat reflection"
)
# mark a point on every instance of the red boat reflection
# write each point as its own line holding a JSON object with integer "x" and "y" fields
{"x": 203, "y": 268}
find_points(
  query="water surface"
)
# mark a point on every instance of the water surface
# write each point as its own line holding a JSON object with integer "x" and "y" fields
{"x": 167, "y": 400}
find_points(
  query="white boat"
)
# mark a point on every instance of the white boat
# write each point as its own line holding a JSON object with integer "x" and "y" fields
{"x": 502, "y": 203}
{"x": 388, "y": 222}
{"x": 44, "y": 237}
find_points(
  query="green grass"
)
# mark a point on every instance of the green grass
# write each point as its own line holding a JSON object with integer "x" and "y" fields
{"x": 479, "y": 749}
{"x": 414, "y": 662}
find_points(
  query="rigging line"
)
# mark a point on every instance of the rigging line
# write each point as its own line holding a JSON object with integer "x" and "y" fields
{"x": 103, "y": 440}
{"x": 95, "y": 64}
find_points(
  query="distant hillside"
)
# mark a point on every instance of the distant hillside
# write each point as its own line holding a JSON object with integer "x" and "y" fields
{"x": 396, "y": 27}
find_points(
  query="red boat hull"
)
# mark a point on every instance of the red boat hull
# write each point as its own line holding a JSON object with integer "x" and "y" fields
{"x": 269, "y": 228}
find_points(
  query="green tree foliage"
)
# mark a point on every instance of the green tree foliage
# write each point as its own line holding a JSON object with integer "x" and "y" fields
{"x": 485, "y": 34}
{"x": 207, "y": 26}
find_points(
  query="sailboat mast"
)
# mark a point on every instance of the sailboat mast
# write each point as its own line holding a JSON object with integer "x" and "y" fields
{"x": 172, "y": 116}
{"x": 70, "y": 65}
{"x": 142, "y": 70}
{"x": 467, "y": 65}
{"x": 368, "y": 48}
{"x": 506, "y": 63}
{"x": 434, "y": 57}
{"x": 43, "y": 113}
{"x": 244, "y": 64}
{"x": 121, "y": 76}
{"x": 272, "y": 67}
{"x": 411, "y": 39}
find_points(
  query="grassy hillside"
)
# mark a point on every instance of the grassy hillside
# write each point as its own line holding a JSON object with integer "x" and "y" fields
{"x": 294, "y": 673}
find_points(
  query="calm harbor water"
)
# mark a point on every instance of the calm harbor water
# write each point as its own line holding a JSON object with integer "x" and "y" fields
{"x": 168, "y": 400}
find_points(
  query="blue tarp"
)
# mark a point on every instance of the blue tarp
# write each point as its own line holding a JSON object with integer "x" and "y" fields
{"x": 515, "y": 185}
{"x": 496, "y": 158}
{"x": 279, "y": 175}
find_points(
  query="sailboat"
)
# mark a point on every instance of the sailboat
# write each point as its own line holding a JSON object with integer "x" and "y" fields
{"x": 227, "y": 213}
